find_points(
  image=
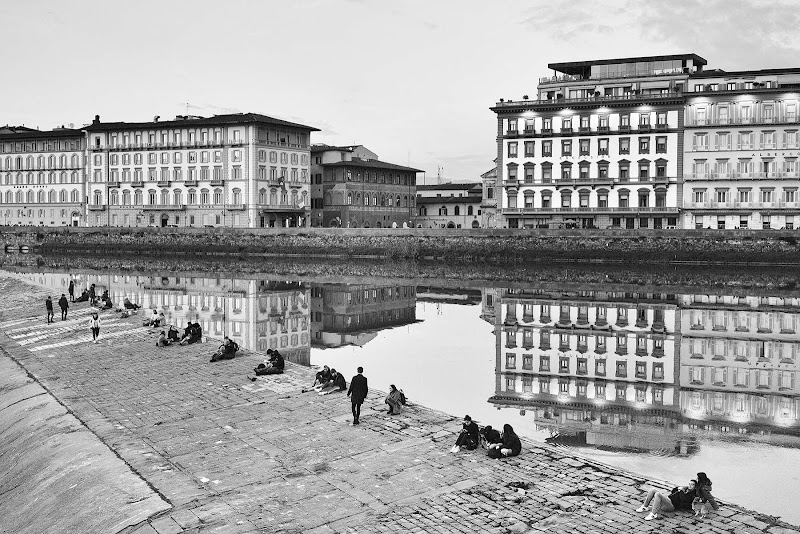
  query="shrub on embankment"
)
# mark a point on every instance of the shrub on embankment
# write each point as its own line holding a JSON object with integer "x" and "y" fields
{"x": 487, "y": 246}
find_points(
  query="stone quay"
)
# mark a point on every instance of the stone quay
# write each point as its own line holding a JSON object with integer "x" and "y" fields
{"x": 124, "y": 437}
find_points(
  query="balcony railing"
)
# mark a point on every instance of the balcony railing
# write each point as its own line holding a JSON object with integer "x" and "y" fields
{"x": 190, "y": 183}
{"x": 740, "y": 121}
{"x": 163, "y": 207}
{"x": 627, "y": 210}
{"x": 113, "y": 183}
{"x": 783, "y": 175}
{"x": 96, "y": 207}
{"x": 163, "y": 183}
{"x": 235, "y": 207}
{"x": 217, "y": 182}
{"x": 137, "y": 184}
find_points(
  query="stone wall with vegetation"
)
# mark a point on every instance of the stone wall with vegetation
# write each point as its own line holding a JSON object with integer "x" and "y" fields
{"x": 460, "y": 246}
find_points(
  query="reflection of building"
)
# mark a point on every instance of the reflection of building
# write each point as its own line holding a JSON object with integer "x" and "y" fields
{"x": 489, "y": 304}
{"x": 240, "y": 170}
{"x": 353, "y": 189}
{"x": 449, "y": 295}
{"x": 42, "y": 176}
{"x": 592, "y": 362}
{"x": 739, "y": 361}
{"x": 352, "y": 314}
{"x": 449, "y": 205}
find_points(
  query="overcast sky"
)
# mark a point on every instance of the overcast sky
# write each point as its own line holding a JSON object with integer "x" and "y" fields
{"x": 411, "y": 80}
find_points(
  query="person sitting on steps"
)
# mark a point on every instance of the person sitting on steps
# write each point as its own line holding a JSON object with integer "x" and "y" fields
{"x": 393, "y": 400}
{"x": 226, "y": 351}
{"x": 510, "y": 446}
{"x": 163, "y": 341}
{"x": 274, "y": 366}
{"x": 336, "y": 383}
{"x": 468, "y": 437}
{"x": 322, "y": 378}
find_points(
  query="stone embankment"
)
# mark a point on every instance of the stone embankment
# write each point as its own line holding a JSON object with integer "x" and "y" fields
{"x": 233, "y": 455}
{"x": 461, "y": 246}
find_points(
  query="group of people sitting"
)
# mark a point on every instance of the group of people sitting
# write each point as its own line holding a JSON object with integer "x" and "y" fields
{"x": 193, "y": 333}
{"x": 168, "y": 337}
{"x": 497, "y": 445}
{"x": 328, "y": 380}
{"x": 273, "y": 366}
{"x": 157, "y": 319}
{"x": 103, "y": 302}
{"x": 695, "y": 496}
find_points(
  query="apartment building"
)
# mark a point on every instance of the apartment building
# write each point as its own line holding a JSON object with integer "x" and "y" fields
{"x": 449, "y": 205}
{"x": 354, "y": 189}
{"x": 742, "y": 148}
{"x": 42, "y": 176}
{"x": 601, "y": 146}
{"x": 241, "y": 170}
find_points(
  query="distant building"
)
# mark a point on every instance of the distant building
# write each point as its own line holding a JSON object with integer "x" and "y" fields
{"x": 449, "y": 205}
{"x": 489, "y": 215}
{"x": 42, "y": 177}
{"x": 353, "y": 189}
{"x": 241, "y": 170}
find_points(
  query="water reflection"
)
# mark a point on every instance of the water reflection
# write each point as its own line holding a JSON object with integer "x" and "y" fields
{"x": 648, "y": 371}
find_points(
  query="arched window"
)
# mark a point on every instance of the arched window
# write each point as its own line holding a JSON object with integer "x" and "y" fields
{"x": 469, "y": 210}
{"x": 164, "y": 197}
{"x": 366, "y": 199}
{"x": 63, "y": 177}
{"x": 423, "y": 211}
{"x": 9, "y": 197}
{"x": 51, "y": 177}
{"x": 177, "y": 197}
{"x": 405, "y": 201}
{"x": 262, "y": 196}
{"x": 40, "y": 198}
{"x": 51, "y": 162}
{"x": 63, "y": 161}
{"x": 126, "y": 198}
{"x": 8, "y": 179}
{"x": 19, "y": 178}
{"x": 74, "y": 177}
{"x": 304, "y": 198}
{"x": 328, "y": 201}
{"x": 74, "y": 196}
{"x": 204, "y": 198}
{"x": 375, "y": 199}
{"x": 40, "y": 178}
{"x": 443, "y": 210}
{"x": 29, "y": 178}
{"x": 40, "y": 162}
{"x": 397, "y": 200}
{"x": 29, "y": 197}
{"x": 20, "y": 197}
{"x": 358, "y": 199}
{"x": 294, "y": 197}
{"x": 75, "y": 160}
{"x": 62, "y": 195}
{"x": 237, "y": 196}
{"x": 273, "y": 197}
{"x": 138, "y": 199}
{"x": 51, "y": 196}
{"x": 151, "y": 196}
{"x": 218, "y": 196}
{"x": 29, "y": 162}
{"x": 349, "y": 198}
{"x": 113, "y": 197}
{"x": 97, "y": 197}
{"x": 191, "y": 197}
{"x": 383, "y": 200}
{"x": 457, "y": 210}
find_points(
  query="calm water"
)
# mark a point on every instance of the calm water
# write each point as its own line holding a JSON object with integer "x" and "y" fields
{"x": 662, "y": 384}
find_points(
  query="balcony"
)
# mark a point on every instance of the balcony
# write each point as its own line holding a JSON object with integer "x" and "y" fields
{"x": 235, "y": 207}
{"x": 644, "y": 128}
{"x": 163, "y": 183}
{"x": 742, "y": 121}
{"x": 217, "y": 182}
{"x": 662, "y": 126}
{"x": 511, "y": 183}
{"x": 96, "y": 207}
{"x": 529, "y": 131}
{"x": 611, "y": 211}
{"x": 113, "y": 183}
{"x": 163, "y": 207}
{"x": 137, "y": 184}
{"x": 512, "y": 133}
{"x": 547, "y": 131}
{"x": 624, "y": 127}
{"x": 567, "y": 130}
{"x": 594, "y": 99}
{"x": 584, "y": 129}
{"x": 190, "y": 183}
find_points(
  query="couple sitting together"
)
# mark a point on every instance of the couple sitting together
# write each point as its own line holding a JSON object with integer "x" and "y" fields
{"x": 167, "y": 338}
{"x": 192, "y": 334}
{"x": 329, "y": 380}
{"x": 497, "y": 445}
{"x": 696, "y": 496}
{"x": 226, "y": 351}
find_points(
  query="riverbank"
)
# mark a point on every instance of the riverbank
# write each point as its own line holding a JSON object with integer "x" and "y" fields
{"x": 491, "y": 247}
{"x": 231, "y": 455}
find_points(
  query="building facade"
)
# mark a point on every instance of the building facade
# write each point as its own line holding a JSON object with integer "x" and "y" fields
{"x": 489, "y": 213}
{"x": 742, "y": 149}
{"x": 240, "y": 170}
{"x": 42, "y": 176}
{"x": 449, "y": 205}
{"x": 354, "y": 189}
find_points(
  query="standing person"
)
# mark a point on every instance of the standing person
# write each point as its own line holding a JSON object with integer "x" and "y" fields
{"x": 92, "y": 295}
{"x": 94, "y": 324}
{"x": 71, "y": 291}
{"x": 48, "y": 305}
{"x": 357, "y": 393}
{"x": 63, "y": 304}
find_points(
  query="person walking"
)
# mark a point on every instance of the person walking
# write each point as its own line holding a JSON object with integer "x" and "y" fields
{"x": 71, "y": 291}
{"x": 48, "y": 305}
{"x": 94, "y": 324}
{"x": 64, "y": 305}
{"x": 357, "y": 393}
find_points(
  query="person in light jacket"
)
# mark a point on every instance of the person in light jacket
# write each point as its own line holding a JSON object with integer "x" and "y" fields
{"x": 94, "y": 324}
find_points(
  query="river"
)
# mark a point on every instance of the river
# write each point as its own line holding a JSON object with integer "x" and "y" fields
{"x": 663, "y": 384}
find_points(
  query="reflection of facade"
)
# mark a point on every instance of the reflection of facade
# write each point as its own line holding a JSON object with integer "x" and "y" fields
{"x": 649, "y": 371}
{"x": 352, "y": 314}
{"x": 739, "y": 361}
{"x": 593, "y": 361}
{"x": 449, "y": 295}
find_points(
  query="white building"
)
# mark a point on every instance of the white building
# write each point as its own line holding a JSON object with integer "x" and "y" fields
{"x": 239, "y": 170}
{"x": 449, "y": 205}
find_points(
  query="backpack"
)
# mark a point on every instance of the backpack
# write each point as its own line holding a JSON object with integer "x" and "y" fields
{"x": 402, "y": 398}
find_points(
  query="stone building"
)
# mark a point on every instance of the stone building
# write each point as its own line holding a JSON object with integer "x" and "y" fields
{"x": 600, "y": 147}
{"x": 42, "y": 177}
{"x": 489, "y": 214}
{"x": 449, "y": 205}
{"x": 353, "y": 189}
{"x": 239, "y": 170}
{"x": 742, "y": 150}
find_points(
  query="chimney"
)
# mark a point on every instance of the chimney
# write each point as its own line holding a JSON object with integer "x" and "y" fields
{"x": 96, "y": 119}
{"x": 155, "y": 119}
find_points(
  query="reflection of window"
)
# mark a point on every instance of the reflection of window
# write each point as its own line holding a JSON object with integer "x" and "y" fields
{"x": 563, "y": 365}
{"x": 658, "y": 371}
{"x": 544, "y": 364}
{"x": 600, "y": 368}
{"x": 741, "y": 378}
{"x": 511, "y": 383}
{"x": 511, "y": 360}
{"x": 600, "y": 391}
{"x": 527, "y": 362}
{"x": 544, "y": 385}
{"x": 697, "y": 374}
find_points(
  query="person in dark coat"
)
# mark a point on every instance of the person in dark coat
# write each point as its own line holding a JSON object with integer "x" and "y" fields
{"x": 357, "y": 393}
{"x": 336, "y": 383}
{"x": 680, "y": 498}
{"x": 63, "y": 304}
{"x": 92, "y": 295}
{"x": 71, "y": 291}
{"x": 468, "y": 437}
{"x": 48, "y": 305}
{"x": 490, "y": 435}
{"x": 510, "y": 446}
{"x": 274, "y": 366}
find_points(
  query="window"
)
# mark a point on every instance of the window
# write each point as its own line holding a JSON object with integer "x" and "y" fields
{"x": 644, "y": 119}
{"x": 583, "y": 171}
{"x": 547, "y": 125}
{"x": 602, "y": 146}
{"x": 644, "y": 145}
{"x": 547, "y": 173}
{"x": 584, "y": 147}
{"x": 512, "y": 150}
{"x": 721, "y": 195}
{"x": 766, "y": 195}
{"x": 661, "y": 118}
{"x": 566, "y": 148}
{"x": 624, "y": 145}
{"x": 625, "y": 122}
{"x": 547, "y": 149}
{"x": 644, "y": 170}
{"x": 603, "y": 123}
{"x": 602, "y": 199}
{"x": 529, "y": 149}
{"x": 528, "y": 174}
{"x": 566, "y": 124}
{"x": 566, "y": 172}
{"x": 512, "y": 125}
{"x": 623, "y": 199}
{"x": 624, "y": 171}
{"x": 661, "y": 145}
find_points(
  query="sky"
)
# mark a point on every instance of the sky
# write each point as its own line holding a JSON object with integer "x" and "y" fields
{"x": 412, "y": 80}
